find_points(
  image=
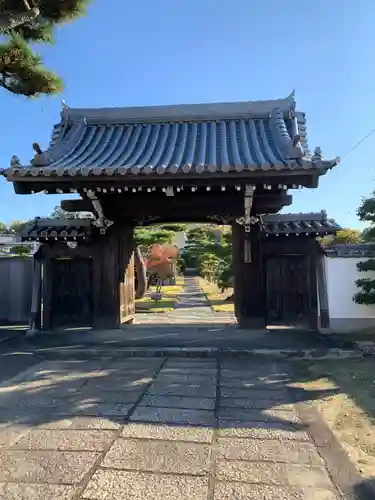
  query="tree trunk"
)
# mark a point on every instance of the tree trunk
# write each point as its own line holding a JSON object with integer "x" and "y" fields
{"x": 140, "y": 268}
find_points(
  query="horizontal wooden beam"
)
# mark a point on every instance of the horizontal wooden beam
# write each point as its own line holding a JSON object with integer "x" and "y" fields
{"x": 25, "y": 185}
{"x": 125, "y": 206}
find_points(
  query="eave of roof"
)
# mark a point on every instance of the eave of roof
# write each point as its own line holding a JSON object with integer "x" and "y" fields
{"x": 263, "y": 136}
{"x": 309, "y": 224}
{"x": 57, "y": 229}
{"x": 317, "y": 224}
{"x": 351, "y": 250}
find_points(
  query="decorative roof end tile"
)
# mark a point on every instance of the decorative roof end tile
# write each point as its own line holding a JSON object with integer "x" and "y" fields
{"x": 318, "y": 154}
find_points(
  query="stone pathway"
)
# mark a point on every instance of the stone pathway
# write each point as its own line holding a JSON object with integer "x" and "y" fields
{"x": 192, "y": 307}
{"x": 193, "y": 299}
{"x": 157, "y": 429}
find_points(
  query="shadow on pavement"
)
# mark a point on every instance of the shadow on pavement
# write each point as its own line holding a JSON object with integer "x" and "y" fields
{"x": 203, "y": 393}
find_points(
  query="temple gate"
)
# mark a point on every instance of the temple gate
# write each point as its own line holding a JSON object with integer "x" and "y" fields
{"x": 230, "y": 163}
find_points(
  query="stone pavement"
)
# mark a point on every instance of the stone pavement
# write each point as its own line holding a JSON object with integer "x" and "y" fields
{"x": 192, "y": 307}
{"x": 156, "y": 429}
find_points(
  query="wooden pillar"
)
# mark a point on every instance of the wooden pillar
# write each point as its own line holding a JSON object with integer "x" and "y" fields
{"x": 46, "y": 292}
{"x": 112, "y": 260}
{"x": 249, "y": 282}
{"x": 322, "y": 291}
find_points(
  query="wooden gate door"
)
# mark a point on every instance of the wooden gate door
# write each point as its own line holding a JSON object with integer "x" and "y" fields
{"x": 288, "y": 290}
{"x": 127, "y": 294}
{"x": 71, "y": 292}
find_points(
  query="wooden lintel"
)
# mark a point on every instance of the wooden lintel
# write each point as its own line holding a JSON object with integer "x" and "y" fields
{"x": 131, "y": 205}
{"x": 24, "y": 185}
{"x": 77, "y": 205}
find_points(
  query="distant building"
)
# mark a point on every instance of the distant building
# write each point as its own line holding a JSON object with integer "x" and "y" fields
{"x": 9, "y": 239}
{"x": 179, "y": 240}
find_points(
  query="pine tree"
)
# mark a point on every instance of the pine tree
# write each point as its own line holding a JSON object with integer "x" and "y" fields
{"x": 366, "y": 213}
{"x": 23, "y": 22}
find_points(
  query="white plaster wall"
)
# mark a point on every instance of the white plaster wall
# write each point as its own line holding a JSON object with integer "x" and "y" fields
{"x": 180, "y": 240}
{"x": 345, "y": 315}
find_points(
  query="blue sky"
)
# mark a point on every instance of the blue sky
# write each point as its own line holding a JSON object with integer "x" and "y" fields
{"x": 148, "y": 52}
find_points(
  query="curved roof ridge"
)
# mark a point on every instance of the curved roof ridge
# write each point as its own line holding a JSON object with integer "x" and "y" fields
{"x": 291, "y": 146}
{"x": 204, "y": 111}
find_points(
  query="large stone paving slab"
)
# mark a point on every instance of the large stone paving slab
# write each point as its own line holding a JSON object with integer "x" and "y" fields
{"x": 266, "y": 415}
{"x": 11, "y": 434}
{"x": 256, "y": 403}
{"x": 173, "y": 416}
{"x": 234, "y": 392}
{"x": 273, "y": 474}
{"x": 57, "y": 424}
{"x": 36, "y": 492}
{"x": 65, "y": 440}
{"x": 95, "y": 409}
{"x": 159, "y": 456}
{"x": 82, "y": 422}
{"x": 118, "y": 384}
{"x": 251, "y": 383}
{"x": 273, "y": 451}
{"x": 124, "y": 485}
{"x": 243, "y": 491}
{"x": 45, "y": 466}
{"x": 187, "y": 378}
{"x": 203, "y": 390}
{"x": 97, "y": 396}
{"x": 168, "y": 432}
{"x": 178, "y": 402}
{"x": 262, "y": 430}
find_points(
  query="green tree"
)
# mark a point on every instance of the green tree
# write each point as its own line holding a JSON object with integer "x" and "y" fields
{"x": 59, "y": 213}
{"x": 147, "y": 237}
{"x": 17, "y": 226}
{"x": 366, "y": 213}
{"x": 22, "y": 24}
{"x": 20, "y": 250}
{"x": 209, "y": 249}
{"x": 2, "y": 227}
{"x": 344, "y": 236}
{"x": 209, "y": 265}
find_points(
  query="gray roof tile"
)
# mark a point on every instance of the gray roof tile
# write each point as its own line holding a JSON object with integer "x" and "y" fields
{"x": 316, "y": 224}
{"x": 57, "y": 229}
{"x": 295, "y": 224}
{"x": 351, "y": 250}
{"x": 247, "y": 136}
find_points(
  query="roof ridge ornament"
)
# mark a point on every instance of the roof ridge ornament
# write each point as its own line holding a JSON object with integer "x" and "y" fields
{"x": 292, "y": 146}
{"x": 41, "y": 158}
{"x": 292, "y": 98}
{"x": 318, "y": 154}
{"x": 15, "y": 161}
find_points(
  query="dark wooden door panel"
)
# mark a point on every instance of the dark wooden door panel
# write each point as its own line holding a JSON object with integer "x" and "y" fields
{"x": 288, "y": 288}
{"x": 71, "y": 292}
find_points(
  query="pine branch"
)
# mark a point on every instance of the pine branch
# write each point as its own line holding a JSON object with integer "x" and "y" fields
{"x": 367, "y": 265}
{"x": 22, "y": 71}
{"x": 11, "y": 20}
{"x": 23, "y": 22}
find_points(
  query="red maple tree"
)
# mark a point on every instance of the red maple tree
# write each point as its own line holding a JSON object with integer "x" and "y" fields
{"x": 161, "y": 261}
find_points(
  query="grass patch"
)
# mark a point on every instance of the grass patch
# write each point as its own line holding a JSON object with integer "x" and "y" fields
{"x": 216, "y": 299}
{"x": 165, "y": 304}
{"x": 350, "y": 412}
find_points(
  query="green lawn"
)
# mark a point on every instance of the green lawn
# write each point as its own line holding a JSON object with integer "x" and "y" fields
{"x": 216, "y": 299}
{"x": 165, "y": 304}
